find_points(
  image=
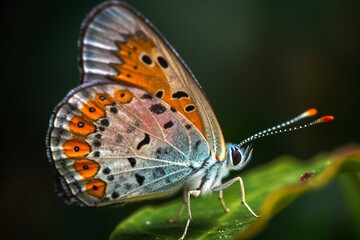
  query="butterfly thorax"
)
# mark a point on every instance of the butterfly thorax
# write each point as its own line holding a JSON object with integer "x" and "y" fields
{"x": 209, "y": 175}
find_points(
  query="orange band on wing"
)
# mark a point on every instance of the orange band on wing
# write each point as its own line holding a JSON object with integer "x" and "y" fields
{"x": 96, "y": 188}
{"x": 81, "y": 126}
{"x": 76, "y": 148}
{"x": 123, "y": 96}
{"x": 86, "y": 168}
{"x": 93, "y": 111}
{"x": 104, "y": 99}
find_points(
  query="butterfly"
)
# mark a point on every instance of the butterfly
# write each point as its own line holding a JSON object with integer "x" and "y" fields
{"x": 139, "y": 125}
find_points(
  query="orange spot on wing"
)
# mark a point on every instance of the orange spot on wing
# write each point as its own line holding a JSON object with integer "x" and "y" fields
{"x": 149, "y": 75}
{"x": 96, "y": 188}
{"x": 76, "y": 148}
{"x": 123, "y": 96}
{"x": 81, "y": 126}
{"x": 134, "y": 71}
{"x": 93, "y": 111}
{"x": 104, "y": 99}
{"x": 180, "y": 105}
{"x": 86, "y": 168}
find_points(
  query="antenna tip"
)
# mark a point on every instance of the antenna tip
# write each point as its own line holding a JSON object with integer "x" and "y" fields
{"x": 327, "y": 118}
{"x": 311, "y": 112}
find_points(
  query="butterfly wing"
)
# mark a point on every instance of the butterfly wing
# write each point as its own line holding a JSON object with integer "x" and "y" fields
{"x": 118, "y": 43}
{"x": 114, "y": 143}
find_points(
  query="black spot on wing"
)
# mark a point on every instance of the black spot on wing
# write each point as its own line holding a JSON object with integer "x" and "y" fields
{"x": 119, "y": 138}
{"x": 132, "y": 161}
{"x": 146, "y": 59}
{"x": 106, "y": 170}
{"x": 96, "y": 143}
{"x": 180, "y": 94}
{"x": 158, "y": 172}
{"x": 115, "y": 195}
{"x": 146, "y": 96}
{"x": 104, "y": 122}
{"x": 140, "y": 179}
{"x": 130, "y": 129}
{"x": 137, "y": 123}
{"x": 163, "y": 152}
{"x": 96, "y": 154}
{"x": 197, "y": 143}
{"x": 157, "y": 108}
{"x": 169, "y": 124}
{"x": 162, "y": 61}
{"x": 113, "y": 110}
{"x": 159, "y": 94}
{"x": 189, "y": 108}
{"x": 143, "y": 142}
{"x": 128, "y": 186}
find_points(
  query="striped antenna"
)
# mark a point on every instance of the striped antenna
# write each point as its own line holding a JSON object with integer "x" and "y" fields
{"x": 281, "y": 128}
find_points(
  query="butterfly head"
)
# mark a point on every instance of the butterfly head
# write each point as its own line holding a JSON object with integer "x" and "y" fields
{"x": 238, "y": 157}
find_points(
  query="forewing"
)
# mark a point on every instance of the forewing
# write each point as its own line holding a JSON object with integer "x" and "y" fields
{"x": 119, "y": 44}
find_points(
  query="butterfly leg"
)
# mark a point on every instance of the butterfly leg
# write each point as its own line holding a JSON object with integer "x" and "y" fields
{"x": 174, "y": 220}
{"x": 222, "y": 202}
{"x": 194, "y": 193}
{"x": 242, "y": 189}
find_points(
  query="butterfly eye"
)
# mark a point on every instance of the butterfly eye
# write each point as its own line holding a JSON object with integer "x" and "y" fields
{"x": 236, "y": 157}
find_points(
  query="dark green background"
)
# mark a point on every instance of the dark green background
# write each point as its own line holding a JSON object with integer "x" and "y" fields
{"x": 259, "y": 62}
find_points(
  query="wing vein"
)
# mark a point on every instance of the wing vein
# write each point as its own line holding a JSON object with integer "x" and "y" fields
{"x": 145, "y": 185}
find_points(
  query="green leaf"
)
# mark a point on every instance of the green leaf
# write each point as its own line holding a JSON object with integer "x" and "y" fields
{"x": 269, "y": 189}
